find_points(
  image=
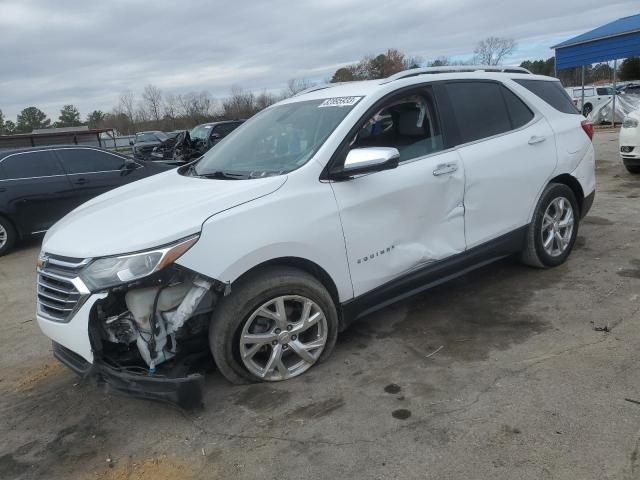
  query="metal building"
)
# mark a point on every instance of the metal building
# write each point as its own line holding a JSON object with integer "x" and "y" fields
{"x": 613, "y": 41}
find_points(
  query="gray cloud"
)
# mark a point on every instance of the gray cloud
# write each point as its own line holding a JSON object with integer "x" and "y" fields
{"x": 86, "y": 53}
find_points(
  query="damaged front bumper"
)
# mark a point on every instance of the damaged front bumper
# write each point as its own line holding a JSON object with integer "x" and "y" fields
{"x": 183, "y": 391}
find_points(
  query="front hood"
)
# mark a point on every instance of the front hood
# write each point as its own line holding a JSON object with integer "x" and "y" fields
{"x": 148, "y": 213}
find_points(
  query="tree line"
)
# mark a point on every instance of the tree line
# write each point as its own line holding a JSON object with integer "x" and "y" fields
{"x": 628, "y": 69}
{"x": 153, "y": 109}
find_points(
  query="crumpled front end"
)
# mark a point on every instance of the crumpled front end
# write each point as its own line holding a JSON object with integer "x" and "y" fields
{"x": 147, "y": 338}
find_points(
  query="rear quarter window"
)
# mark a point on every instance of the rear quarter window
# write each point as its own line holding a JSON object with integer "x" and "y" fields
{"x": 551, "y": 92}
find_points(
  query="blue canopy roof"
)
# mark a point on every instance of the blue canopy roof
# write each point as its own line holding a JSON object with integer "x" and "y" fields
{"x": 618, "y": 39}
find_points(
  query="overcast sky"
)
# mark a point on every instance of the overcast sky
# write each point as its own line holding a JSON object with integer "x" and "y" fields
{"x": 87, "y": 52}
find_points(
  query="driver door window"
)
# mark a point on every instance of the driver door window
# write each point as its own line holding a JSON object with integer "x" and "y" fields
{"x": 409, "y": 124}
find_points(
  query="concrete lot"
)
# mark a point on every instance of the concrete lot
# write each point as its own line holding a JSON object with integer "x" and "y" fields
{"x": 524, "y": 386}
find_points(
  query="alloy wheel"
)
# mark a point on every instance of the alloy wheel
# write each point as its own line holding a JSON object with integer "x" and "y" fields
{"x": 4, "y": 236}
{"x": 557, "y": 226}
{"x": 283, "y": 337}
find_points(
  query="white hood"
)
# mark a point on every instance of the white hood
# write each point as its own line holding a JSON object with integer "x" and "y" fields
{"x": 148, "y": 213}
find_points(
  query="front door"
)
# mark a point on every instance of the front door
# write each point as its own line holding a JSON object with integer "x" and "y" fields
{"x": 397, "y": 221}
{"x": 91, "y": 171}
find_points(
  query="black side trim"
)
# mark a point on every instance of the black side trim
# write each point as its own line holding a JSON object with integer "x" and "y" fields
{"x": 433, "y": 274}
{"x": 587, "y": 203}
{"x": 183, "y": 391}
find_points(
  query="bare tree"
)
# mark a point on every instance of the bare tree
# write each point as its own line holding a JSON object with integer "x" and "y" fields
{"x": 264, "y": 100}
{"x": 152, "y": 98}
{"x": 297, "y": 85}
{"x": 492, "y": 50}
{"x": 127, "y": 106}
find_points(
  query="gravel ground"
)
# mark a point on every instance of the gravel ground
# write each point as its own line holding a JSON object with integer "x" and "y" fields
{"x": 523, "y": 382}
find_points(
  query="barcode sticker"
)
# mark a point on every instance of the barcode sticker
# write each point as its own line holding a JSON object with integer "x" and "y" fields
{"x": 340, "y": 102}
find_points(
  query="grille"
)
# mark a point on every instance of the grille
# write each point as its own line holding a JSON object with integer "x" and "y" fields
{"x": 59, "y": 288}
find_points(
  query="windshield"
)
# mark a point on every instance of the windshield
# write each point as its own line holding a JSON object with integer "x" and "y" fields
{"x": 201, "y": 132}
{"x": 277, "y": 140}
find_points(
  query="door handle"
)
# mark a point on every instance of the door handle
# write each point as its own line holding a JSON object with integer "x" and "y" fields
{"x": 81, "y": 181}
{"x": 445, "y": 168}
{"x": 3, "y": 190}
{"x": 535, "y": 139}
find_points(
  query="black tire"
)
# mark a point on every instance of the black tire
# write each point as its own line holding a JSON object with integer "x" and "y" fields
{"x": 11, "y": 236}
{"x": 633, "y": 168}
{"x": 534, "y": 253}
{"x": 588, "y": 108}
{"x": 231, "y": 313}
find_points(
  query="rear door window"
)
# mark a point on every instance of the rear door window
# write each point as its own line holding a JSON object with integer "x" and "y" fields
{"x": 551, "y": 92}
{"x": 479, "y": 109}
{"x": 86, "y": 160}
{"x": 30, "y": 165}
{"x": 519, "y": 113}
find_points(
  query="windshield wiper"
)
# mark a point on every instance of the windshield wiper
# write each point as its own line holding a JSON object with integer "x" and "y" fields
{"x": 224, "y": 175}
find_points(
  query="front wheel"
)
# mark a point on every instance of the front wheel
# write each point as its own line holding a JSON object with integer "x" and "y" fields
{"x": 275, "y": 324}
{"x": 8, "y": 236}
{"x": 632, "y": 168}
{"x": 553, "y": 230}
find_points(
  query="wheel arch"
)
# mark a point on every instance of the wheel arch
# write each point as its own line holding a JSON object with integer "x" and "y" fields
{"x": 305, "y": 265}
{"x": 14, "y": 224}
{"x": 573, "y": 183}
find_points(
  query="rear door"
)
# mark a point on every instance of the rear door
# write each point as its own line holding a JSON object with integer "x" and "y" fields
{"x": 92, "y": 172}
{"x": 35, "y": 190}
{"x": 508, "y": 153}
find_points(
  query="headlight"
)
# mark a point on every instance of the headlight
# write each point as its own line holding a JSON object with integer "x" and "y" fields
{"x": 629, "y": 122}
{"x": 111, "y": 271}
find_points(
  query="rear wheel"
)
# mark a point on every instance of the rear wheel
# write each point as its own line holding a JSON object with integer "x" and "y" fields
{"x": 633, "y": 168}
{"x": 588, "y": 108}
{"x": 553, "y": 230}
{"x": 8, "y": 236}
{"x": 275, "y": 325}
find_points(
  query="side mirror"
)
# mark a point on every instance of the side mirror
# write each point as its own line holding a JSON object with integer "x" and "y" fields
{"x": 368, "y": 160}
{"x": 128, "y": 166}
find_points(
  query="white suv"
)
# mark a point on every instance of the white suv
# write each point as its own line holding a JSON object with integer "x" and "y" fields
{"x": 315, "y": 212}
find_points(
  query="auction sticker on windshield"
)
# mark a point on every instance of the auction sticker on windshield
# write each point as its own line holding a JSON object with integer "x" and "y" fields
{"x": 340, "y": 102}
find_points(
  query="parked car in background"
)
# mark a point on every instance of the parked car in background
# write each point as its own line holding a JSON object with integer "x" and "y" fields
{"x": 630, "y": 88}
{"x": 630, "y": 142}
{"x": 39, "y": 185}
{"x": 319, "y": 210}
{"x": 188, "y": 145}
{"x": 594, "y": 97}
{"x": 201, "y": 138}
{"x": 145, "y": 142}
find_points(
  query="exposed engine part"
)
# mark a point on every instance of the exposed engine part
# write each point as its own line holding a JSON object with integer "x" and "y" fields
{"x": 187, "y": 307}
{"x": 121, "y": 328}
{"x": 159, "y": 312}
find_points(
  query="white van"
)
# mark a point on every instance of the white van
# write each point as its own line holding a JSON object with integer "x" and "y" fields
{"x": 313, "y": 213}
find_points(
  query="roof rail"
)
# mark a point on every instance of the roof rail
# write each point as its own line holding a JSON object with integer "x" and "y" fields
{"x": 317, "y": 87}
{"x": 455, "y": 68}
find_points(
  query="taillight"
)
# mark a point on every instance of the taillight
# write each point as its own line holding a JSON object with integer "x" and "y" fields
{"x": 587, "y": 126}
